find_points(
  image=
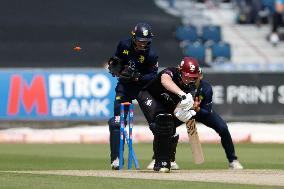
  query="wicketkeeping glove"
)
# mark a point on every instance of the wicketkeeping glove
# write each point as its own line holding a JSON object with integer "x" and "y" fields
{"x": 115, "y": 66}
{"x": 130, "y": 74}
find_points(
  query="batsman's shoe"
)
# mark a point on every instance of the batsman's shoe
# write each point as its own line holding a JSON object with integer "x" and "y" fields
{"x": 151, "y": 165}
{"x": 235, "y": 165}
{"x": 174, "y": 165}
{"x": 164, "y": 170}
{"x": 115, "y": 164}
{"x": 162, "y": 167}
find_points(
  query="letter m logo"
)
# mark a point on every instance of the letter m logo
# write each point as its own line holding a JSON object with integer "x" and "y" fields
{"x": 29, "y": 96}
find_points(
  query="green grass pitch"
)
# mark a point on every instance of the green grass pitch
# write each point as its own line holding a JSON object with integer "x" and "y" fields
{"x": 16, "y": 157}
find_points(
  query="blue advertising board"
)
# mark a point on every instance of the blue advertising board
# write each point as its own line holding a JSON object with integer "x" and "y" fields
{"x": 56, "y": 94}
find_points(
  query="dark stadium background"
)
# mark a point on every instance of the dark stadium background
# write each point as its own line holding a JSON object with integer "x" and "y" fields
{"x": 43, "y": 33}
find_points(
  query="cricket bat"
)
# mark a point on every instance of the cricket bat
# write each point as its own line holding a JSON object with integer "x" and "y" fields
{"x": 195, "y": 144}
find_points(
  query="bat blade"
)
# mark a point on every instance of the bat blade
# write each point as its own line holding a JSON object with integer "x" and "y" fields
{"x": 194, "y": 141}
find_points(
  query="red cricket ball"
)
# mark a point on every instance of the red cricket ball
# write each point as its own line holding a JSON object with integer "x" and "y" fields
{"x": 77, "y": 48}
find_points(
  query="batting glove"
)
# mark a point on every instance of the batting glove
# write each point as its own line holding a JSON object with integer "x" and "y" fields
{"x": 184, "y": 115}
{"x": 187, "y": 102}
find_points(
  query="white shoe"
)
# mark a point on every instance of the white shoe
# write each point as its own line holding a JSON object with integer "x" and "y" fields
{"x": 274, "y": 38}
{"x": 151, "y": 165}
{"x": 115, "y": 164}
{"x": 174, "y": 165}
{"x": 235, "y": 165}
{"x": 164, "y": 170}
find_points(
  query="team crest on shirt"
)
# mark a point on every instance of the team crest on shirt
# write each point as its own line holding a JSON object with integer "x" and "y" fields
{"x": 148, "y": 102}
{"x": 141, "y": 59}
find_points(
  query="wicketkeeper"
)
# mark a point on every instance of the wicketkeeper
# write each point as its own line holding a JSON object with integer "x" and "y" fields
{"x": 134, "y": 63}
{"x": 180, "y": 88}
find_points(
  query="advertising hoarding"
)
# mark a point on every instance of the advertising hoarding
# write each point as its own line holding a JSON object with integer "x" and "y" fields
{"x": 61, "y": 94}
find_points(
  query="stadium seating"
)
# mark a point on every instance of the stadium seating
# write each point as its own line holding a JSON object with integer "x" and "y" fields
{"x": 211, "y": 33}
{"x": 207, "y": 46}
{"x": 221, "y": 52}
{"x": 268, "y": 4}
{"x": 186, "y": 33}
{"x": 196, "y": 50}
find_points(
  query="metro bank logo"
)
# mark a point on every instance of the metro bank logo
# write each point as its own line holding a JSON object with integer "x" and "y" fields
{"x": 56, "y": 95}
{"x": 29, "y": 96}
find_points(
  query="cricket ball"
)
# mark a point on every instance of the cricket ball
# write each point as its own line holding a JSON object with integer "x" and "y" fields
{"x": 77, "y": 48}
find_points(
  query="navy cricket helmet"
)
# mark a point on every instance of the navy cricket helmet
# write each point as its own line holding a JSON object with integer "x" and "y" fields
{"x": 142, "y": 36}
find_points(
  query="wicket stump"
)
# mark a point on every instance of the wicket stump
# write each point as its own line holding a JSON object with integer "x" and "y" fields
{"x": 128, "y": 137}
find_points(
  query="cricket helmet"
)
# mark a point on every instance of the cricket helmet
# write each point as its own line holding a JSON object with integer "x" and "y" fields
{"x": 189, "y": 67}
{"x": 142, "y": 36}
{"x": 189, "y": 71}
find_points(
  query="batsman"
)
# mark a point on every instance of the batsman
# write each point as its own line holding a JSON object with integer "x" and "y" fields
{"x": 176, "y": 96}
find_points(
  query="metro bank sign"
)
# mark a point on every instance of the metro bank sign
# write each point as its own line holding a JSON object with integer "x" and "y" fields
{"x": 56, "y": 95}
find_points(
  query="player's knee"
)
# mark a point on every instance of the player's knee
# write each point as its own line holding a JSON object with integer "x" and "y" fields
{"x": 175, "y": 136}
{"x": 113, "y": 123}
{"x": 164, "y": 124}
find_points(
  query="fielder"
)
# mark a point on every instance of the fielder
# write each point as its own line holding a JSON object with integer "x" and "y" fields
{"x": 134, "y": 64}
{"x": 167, "y": 102}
